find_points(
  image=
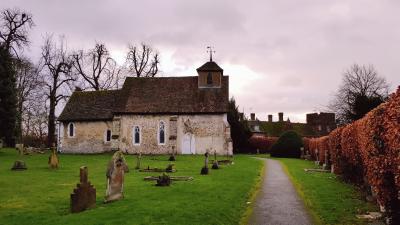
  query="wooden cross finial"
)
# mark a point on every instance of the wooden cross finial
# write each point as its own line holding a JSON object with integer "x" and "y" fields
{"x": 211, "y": 51}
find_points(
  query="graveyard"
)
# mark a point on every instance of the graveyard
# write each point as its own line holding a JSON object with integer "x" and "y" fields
{"x": 41, "y": 195}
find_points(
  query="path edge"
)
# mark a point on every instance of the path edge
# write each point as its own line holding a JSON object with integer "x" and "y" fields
{"x": 253, "y": 194}
{"x": 315, "y": 219}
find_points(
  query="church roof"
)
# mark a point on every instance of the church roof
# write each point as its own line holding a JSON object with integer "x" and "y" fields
{"x": 210, "y": 66}
{"x": 90, "y": 105}
{"x": 159, "y": 95}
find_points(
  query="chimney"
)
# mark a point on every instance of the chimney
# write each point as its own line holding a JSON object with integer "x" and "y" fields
{"x": 270, "y": 118}
{"x": 252, "y": 116}
{"x": 280, "y": 115}
{"x": 241, "y": 116}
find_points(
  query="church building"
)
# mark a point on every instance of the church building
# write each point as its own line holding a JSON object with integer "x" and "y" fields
{"x": 159, "y": 115}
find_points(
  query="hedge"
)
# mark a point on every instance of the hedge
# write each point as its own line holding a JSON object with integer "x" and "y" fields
{"x": 367, "y": 153}
{"x": 288, "y": 145}
{"x": 262, "y": 142}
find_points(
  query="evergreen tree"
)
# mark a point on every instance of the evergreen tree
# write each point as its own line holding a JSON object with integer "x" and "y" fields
{"x": 8, "y": 97}
{"x": 240, "y": 131}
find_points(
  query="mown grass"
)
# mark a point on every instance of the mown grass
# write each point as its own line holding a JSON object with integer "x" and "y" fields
{"x": 329, "y": 200}
{"x": 42, "y": 196}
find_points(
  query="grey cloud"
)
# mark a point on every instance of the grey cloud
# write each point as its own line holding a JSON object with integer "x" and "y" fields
{"x": 299, "y": 49}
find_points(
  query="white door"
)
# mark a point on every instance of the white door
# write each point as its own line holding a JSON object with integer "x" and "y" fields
{"x": 188, "y": 144}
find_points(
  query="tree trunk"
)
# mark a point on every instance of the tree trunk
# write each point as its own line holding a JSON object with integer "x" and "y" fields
{"x": 52, "y": 118}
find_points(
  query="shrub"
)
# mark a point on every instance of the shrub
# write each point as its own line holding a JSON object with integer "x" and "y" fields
{"x": 288, "y": 145}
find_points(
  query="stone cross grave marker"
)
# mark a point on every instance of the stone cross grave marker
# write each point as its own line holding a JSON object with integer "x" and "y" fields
{"x": 84, "y": 195}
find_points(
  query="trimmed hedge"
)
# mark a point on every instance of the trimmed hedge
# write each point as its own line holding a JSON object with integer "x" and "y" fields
{"x": 288, "y": 145}
{"x": 367, "y": 152}
{"x": 262, "y": 142}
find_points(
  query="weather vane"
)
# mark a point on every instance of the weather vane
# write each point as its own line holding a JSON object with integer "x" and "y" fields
{"x": 211, "y": 51}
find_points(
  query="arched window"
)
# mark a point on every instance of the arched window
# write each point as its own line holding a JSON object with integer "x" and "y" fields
{"x": 71, "y": 130}
{"x": 136, "y": 135}
{"x": 108, "y": 135}
{"x": 161, "y": 133}
{"x": 209, "y": 78}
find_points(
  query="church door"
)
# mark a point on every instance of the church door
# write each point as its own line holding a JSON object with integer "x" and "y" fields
{"x": 188, "y": 144}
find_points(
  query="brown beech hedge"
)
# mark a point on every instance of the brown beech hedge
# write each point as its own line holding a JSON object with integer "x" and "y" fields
{"x": 367, "y": 153}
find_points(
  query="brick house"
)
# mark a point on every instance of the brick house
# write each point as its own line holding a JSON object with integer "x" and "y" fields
{"x": 157, "y": 115}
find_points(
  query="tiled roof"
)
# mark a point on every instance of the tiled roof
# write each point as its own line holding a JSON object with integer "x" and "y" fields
{"x": 90, "y": 105}
{"x": 161, "y": 95}
{"x": 210, "y": 66}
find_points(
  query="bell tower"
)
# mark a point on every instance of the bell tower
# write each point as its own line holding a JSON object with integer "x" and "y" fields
{"x": 210, "y": 74}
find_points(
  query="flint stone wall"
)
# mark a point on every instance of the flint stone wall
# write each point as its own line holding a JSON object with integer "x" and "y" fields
{"x": 89, "y": 138}
{"x": 208, "y": 132}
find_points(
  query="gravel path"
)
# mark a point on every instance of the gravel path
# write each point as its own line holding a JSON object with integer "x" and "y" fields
{"x": 277, "y": 203}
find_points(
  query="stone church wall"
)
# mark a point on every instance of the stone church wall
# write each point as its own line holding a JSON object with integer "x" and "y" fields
{"x": 207, "y": 131}
{"x": 90, "y": 137}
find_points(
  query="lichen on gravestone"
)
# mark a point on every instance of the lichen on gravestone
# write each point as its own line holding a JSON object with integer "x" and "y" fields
{"x": 116, "y": 170}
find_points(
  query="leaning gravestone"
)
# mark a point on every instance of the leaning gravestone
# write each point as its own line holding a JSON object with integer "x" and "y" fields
{"x": 204, "y": 170}
{"x": 115, "y": 177}
{"x": 84, "y": 195}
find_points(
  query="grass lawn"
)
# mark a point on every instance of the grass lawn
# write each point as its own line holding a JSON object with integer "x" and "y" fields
{"x": 330, "y": 200}
{"x": 42, "y": 196}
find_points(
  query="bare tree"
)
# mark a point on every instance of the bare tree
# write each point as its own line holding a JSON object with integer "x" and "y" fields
{"x": 35, "y": 118}
{"x": 57, "y": 76}
{"x": 143, "y": 61}
{"x": 97, "y": 69}
{"x": 28, "y": 84}
{"x": 14, "y": 28}
{"x": 362, "y": 89}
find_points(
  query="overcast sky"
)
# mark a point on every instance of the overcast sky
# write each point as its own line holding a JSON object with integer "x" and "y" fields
{"x": 286, "y": 55}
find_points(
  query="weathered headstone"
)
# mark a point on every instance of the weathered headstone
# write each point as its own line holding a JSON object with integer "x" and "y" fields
{"x": 115, "y": 177}
{"x": 215, "y": 165}
{"x": 172, "y": 157}
{"x": 1, "y": 143}
{"x": 53, "y": 159}
{"x": 20, "y": 148}
{"x": 138, "y": 159}
{"x": 19, "y": 165}
{"x": 302, "y": 153}
{"x": 84, "y": 195}
{"x": 204, "y": 170}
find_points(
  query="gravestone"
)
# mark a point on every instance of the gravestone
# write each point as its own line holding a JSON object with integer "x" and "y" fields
{"x": 1, "y": 143}
{"x": 19, "y": 165}
{"x": 53, "y": 159}
{"x": 115, "y": 177}
{"x": 84, "y": 195}
{"x": 215, "y": 165}
{"x": 20, "y": 148}
{"x": 172, "y": 157}
{"x": 204, "y": 170}
{"x": 138, "y": 159}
